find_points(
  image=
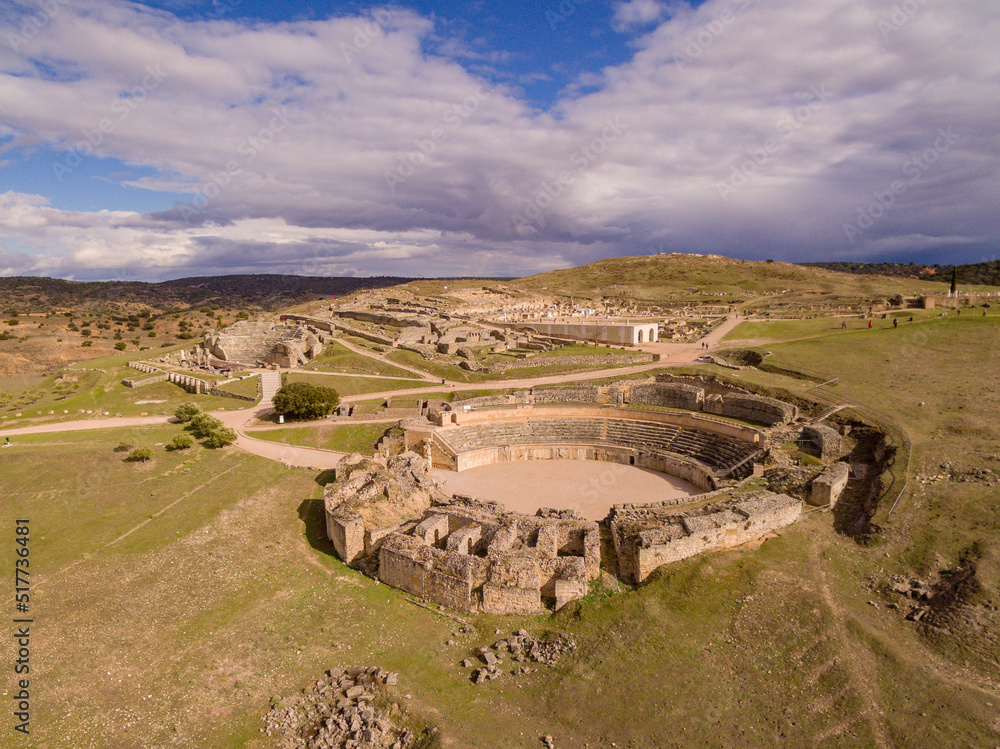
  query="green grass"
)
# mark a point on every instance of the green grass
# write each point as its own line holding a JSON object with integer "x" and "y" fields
{"x": 337, "y": 358}
{"x": 783, "y": 330}
{"x": 100, "y": 393}
{"x": 249, "y": 386}
{"x": 454, "y": 373}
{"x": 352, "y": 385}
{"x": 348, "y": 438}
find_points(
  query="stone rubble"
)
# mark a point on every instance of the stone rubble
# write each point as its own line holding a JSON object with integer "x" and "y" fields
{"x": 520, "y": 647}
{"x": 338, "y": 711}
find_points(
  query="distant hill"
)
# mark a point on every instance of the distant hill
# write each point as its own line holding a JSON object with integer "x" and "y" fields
{"x": 663, "y": 277}
{"x": 265, "y": 292}
{"x": 987, "y": 273}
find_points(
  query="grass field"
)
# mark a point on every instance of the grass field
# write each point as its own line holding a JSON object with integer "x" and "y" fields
{"x": 352, "y": 385}
{"x": 347, "y": 438}
{"x": 782, "y": 330}
{"x": 176, "y": 599}
{"x": 237, "y": 600}
{"x": 248, "y": 386}
{"x": 455, "y": 373}
{"x": 337, "y": 358}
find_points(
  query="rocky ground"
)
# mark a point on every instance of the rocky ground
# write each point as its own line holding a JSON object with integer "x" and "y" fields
{"x": 343, "y": 710}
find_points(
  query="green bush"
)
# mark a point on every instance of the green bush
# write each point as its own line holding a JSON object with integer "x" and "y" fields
{"x": 301, "y": 400}
{"x": 123, "y": 447}
{"x": 204, "y": 424}
{"x": 187, "y": 411}
{"x": 87, "y": 343}
{"x": 140, "y": 455}
{"x": 220, "y": 437}
{"x": 120, "y": 345}
{"x": 181, "y": 442}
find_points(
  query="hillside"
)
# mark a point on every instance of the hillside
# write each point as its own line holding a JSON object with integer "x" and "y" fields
{"x": 263, "y": 291}
{"x": 987, "y": 273}
{"x": 678, "y": 276}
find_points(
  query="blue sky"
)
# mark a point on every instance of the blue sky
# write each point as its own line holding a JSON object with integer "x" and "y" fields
{"x": 177, "y": 138}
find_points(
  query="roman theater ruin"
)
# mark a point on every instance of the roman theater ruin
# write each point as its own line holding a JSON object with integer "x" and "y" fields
{"x": 466, "y": 515}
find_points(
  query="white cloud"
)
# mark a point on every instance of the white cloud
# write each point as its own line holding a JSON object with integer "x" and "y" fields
{"x": 635, "y": 13}
{"x": 286, "y": 137}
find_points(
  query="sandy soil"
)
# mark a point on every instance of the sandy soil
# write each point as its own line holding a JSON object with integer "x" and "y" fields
{"x": 591, "y": 487}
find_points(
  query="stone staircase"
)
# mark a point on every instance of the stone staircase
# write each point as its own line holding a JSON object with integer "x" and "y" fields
{"x": 270, "y": 381}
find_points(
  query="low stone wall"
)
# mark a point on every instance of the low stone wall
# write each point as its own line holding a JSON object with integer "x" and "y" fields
{"x": 226, "y": 394}
{"x": 147, "y": 381}
{"x": 688, "y": 469}
{"x": 642, "y": 545}
{"x": 751, "y": 408}
{"x": 829, "y": 485}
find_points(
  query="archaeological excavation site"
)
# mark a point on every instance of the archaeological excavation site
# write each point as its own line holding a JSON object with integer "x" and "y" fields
{"x": 394, "y": 517}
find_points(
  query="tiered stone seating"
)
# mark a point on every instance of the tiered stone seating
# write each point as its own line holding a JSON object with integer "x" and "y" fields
{"x": 712, "y": 449}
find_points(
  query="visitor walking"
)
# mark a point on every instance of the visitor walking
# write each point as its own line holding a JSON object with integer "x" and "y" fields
{"x": 869, "y": 325}
{"x": 895, "y": 322}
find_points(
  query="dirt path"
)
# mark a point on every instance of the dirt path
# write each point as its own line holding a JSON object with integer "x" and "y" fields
{"x": 857, "y": 661}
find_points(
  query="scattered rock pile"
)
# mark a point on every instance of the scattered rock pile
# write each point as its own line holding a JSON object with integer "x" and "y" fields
{"x": 338, "y": 712}
{"x": 520, "y": 648}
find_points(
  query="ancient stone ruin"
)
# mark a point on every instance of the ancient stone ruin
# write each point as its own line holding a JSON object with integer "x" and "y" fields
{"x": 387, "y": 517}
{"x": 263, "y": 343}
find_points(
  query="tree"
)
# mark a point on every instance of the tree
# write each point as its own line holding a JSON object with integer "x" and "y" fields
{"x": 204, "y": 424}
{"x": 181, "y": 442}
{"x": 301, "y": 400}
{"x": 140, "y": 455}
{"x": 954, "y": 280}
{"x": 220, "y": 437}
{"x": 187, "y": 411}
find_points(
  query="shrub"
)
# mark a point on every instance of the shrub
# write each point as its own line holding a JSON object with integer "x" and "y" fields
{"x": 187, "y": 411}
{"x": 87, "y": 343}
{"x": 220, "y": 437}
{"x": 123, "y": 447}
{"x": 300, "y": 400}
{"x": 120, "y": 345}
{"x": 12, "y": 321}
{"x": 181, "y": 442}
{"x": 204, "y": 424}
{"x": 140, "y": 455}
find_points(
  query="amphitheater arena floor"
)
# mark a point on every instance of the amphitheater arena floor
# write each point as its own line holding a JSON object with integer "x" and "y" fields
{"x": 591, "y": 487}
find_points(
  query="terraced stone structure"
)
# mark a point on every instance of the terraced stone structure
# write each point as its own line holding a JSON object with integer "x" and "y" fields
{"x": 264, "y": 343}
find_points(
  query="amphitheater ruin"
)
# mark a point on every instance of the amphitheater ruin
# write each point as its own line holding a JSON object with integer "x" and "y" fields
{"x": 393, "y": 517}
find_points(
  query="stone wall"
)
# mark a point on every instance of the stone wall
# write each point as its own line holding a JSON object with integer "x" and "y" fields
{"x": 674, "y": 395}
{"x": 130, "y": 383}
{"x": 751, "y": 408}
{"x": 826, "y": 440}
{"x": 644, "y": 544}
{"x": 829, "y": 485}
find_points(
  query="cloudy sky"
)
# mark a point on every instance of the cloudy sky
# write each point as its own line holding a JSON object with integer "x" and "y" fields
{"x": 195, "y": 137}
